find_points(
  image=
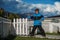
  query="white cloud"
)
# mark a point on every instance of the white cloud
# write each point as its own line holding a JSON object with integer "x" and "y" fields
{"x": 19, "y": 0}
{"x": 47, "y": 7}
{"x": 7, "y": 0}
{"x": 50, "y": 8}
{"x": 57, "y": 6}
{"x": 36, "y": 5}
{"x": 12, "y": 0}
{"x": 43, "y": 7}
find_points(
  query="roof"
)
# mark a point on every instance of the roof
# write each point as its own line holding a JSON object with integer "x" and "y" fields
{"x": 54, "y": 16}
{"x": 4, "y": 19}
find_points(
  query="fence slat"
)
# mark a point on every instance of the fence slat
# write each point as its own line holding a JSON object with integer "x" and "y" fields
{"x": 14, "y": 23}
{"x": 26, "y": 27}
{"x": 14, "y": 26}
{"x": 17, "y": 26}
{"x": 23, "y": 26}
{"x": 20, "y": 26}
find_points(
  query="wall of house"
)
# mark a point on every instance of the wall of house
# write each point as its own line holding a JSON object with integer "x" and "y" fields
{"x": 4, "y": 27}
{"x": 54, "y": 25}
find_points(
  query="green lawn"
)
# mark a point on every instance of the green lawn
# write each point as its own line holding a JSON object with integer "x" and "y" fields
{"x": 53, "y": 34}
{"x": 25, "y": 38}
{"x": 31, "y": 38}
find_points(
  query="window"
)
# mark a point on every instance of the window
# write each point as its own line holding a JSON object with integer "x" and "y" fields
{"x": 55, "y": 20}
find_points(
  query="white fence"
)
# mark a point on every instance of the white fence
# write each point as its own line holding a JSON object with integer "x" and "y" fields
{"x": 21, "y": 26}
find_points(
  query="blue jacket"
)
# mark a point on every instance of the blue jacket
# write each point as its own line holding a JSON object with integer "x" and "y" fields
{"x": 38, "y": 18}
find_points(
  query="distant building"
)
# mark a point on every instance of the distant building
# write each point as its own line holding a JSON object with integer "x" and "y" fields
{"x": 55, "y": 19}
{"x": 52, "y": 24}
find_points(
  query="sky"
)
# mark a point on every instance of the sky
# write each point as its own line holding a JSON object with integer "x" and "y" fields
{"x": 40, "y": 1}
{"x": 47, "y": 7}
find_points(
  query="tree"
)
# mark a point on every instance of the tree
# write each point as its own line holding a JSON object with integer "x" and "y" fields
{"x": 1, "y": 12}
{"x": 16, "y": 16}
{"x": 10, "y": 16}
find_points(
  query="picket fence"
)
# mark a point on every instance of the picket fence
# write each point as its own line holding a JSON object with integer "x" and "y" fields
{"x": 21, "y": 26}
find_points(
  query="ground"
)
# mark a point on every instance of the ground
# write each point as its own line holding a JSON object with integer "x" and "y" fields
{"x": 36, "y": 37}
{"x": 26, "y": 38}
{"x": 32, "y": 38}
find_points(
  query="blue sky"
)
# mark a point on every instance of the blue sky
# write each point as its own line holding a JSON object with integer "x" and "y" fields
{"x": 48, "y": 7}
{"x": 40, "y": 1}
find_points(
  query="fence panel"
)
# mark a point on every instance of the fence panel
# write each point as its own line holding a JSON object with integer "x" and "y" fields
{"x": 21, "y": 26}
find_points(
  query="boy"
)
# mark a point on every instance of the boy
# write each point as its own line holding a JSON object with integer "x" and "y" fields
{"x": 38, "y": 18}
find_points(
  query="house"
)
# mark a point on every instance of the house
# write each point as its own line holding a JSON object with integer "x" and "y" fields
{"x": 52, "y": 24}
{"x": 4, "y": 27}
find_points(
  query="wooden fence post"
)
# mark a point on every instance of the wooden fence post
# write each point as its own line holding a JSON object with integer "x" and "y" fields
{"x": 14, "y": 22}
{"x": 23, "y": 26}
{"x": 26, "y": 27}
{"x": 17, "y": 26}
{"x": 20, "y": 25}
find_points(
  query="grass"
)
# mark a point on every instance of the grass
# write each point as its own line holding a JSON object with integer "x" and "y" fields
{"x": 31, "y": 38}
{"x": 25, "y": 38}
{"x": 11, "y": 37}
{"x": 53, "y": 34}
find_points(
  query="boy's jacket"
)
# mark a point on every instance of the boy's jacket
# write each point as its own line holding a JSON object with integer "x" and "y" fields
{"x": 38, "y": 18}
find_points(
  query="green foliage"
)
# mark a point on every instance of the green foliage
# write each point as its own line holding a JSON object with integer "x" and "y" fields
{"x": 8, "y": 15}
{"x": 16, "y": 16}
{"x": 1, "y": 12}
{"x": 12, "y": 16}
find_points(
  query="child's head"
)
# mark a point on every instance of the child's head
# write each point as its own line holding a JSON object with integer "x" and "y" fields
{"x": 36, "y": 10}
